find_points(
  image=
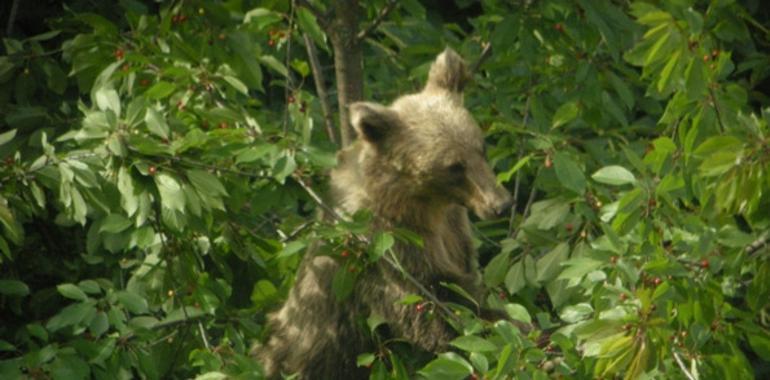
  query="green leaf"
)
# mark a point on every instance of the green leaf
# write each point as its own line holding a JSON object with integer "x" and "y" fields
{"x": 343, "y": 282}
{"x": 381, "y": 243}
{"x": 160, "y": 90}
{"x": 205, "y": 182}
{"x": 115, "y": 223}
{"x": 506, "y": 176}
{"x": 577, "y": 267}
{"x": 99, "y": 324}
{"x": 410, "y": 299}
{"x": 448, "y": 366}
{"x": 518, "y": 312}
{"x": 72, "y": 291}
{"x": 576, "y": 313}
{"x": 494, "y": 272}
{"x": 309, "y": 25}
{"x": 472, "y": 343}
{"x": 515, "y": 279}
{"x": 132, "y": 302}
{"x": 664, "y": 80}
{"x": 549, "y": 266}
{"x": 263, "y": 293}
{"x": 13, "y": 229}
{"x": 128, "y": 199}
{"x": 273, "y": 63}
{"x": 13, "y": 288}
{"x": 569, "y": 173}
{"x": 71, "y": 315}
{"x": 365, "y": 360}
{"x": 156, "y": 123}
{"x": 237, "y": 84}
{"x": 614, "y": 175}
{"x": 564, "y": 114}
{"x": 108, "y": 99}
{"x": 761, "y": 345}
{"x": 171, "y": 194}
{"x": 7, "y": 136}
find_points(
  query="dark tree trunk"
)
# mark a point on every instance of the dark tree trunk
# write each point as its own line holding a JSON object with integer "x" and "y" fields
{"x": 348, "y": 61}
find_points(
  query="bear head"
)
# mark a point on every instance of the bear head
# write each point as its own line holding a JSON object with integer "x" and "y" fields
{"x": 426, "y": 149}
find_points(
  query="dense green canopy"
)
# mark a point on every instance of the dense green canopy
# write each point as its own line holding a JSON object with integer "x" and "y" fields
{"x": 163, "y": 165}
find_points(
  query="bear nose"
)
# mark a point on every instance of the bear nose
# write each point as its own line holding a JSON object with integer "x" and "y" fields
{"x": 503, "y": 207}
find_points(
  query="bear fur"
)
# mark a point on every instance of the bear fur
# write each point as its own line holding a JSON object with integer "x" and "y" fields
{"x": 417, "y": 164}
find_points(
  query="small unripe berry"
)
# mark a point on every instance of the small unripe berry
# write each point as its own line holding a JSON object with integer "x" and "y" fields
{"x": 548, "y": 163}
{"x": 152, "y": 170}
{"x": 706, "y": 58}
{"x": 657, "y": 281}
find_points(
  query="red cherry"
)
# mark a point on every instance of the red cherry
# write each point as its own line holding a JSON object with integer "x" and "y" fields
{"x": 614, "y": 260}
{"x": 705, "y": 264}
{"x": 657, "y": 281}
{"x": 119, "y": 53}
{"x": 345, "y": 253}
{"x": 623, "y": 296}
{"x": 420, "y": 307}
{"x": 559, "y": 27}
{"x": 152, "y": 170}
{"x": 706, "y": 58}
{"x": 223, "y": 125}
{"x": 144, "y": 82}
{"x": 290, "y": 99}
{"x": 548, "y": 163}
{"x": 271, "y": 42}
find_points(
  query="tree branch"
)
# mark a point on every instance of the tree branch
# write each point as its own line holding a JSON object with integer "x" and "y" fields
{"x": 758, "y": 244}
{"x": 11, "y": 18}
{"x": 681, "y": 365}
{"x": 485, "y": 53}
{"x": 378, "y": 20}
{"x": 320, "y": 88}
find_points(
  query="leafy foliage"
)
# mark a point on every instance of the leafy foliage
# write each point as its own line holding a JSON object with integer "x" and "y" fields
{"x": 161, "y": 169}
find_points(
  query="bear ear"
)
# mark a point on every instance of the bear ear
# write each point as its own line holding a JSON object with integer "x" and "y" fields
{"x": 373, "y": 122}
{"x": 448, "y": 72}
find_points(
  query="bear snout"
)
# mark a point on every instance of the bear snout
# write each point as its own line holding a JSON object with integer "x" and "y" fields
{"x": 503, "y": 206}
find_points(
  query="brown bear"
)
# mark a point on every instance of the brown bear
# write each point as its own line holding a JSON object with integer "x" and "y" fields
{"x": 418, "y": 164}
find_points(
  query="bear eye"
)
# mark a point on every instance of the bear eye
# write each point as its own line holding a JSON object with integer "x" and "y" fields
{"x": 456, "y": 168}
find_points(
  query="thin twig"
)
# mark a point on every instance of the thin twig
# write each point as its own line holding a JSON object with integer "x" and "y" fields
{"x": 526, "y": 209}
{"x": 11, "y": 18}
{"x": 289, "y": 88}
{"x": 377, "y": 20}
{"x": 485, "y": 53}
{"x": 520, "y": 154}
{"x": 683, "y": 367}
{"x": 716, "y": 108}
{"x": 203, "y": 336}
{"x": 758, "y": 244}
{"x": 320, "y": 87}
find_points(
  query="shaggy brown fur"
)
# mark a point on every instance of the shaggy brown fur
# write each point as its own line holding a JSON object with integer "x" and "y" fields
{"x": 418, "y": 164}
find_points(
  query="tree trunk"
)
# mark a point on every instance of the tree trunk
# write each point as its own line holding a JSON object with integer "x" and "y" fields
{"x": 348, "y": 61}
